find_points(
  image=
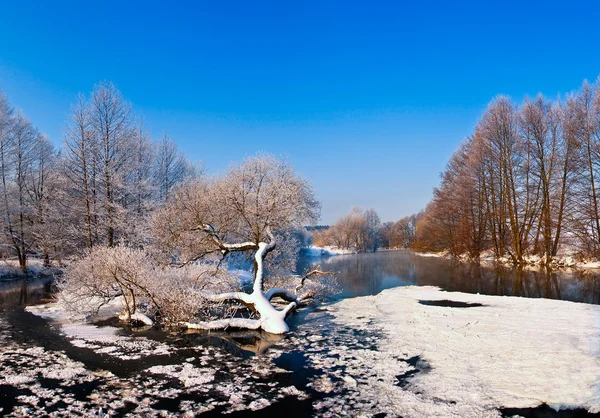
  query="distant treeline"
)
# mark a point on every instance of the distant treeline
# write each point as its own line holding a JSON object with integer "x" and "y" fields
{"x": 359, "y": 230}
{"x": 97, "y": 190}
{"x": 527, "y": 182}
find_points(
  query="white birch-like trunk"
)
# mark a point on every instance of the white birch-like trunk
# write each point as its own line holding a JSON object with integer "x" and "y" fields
{"x": 271, "y": 320}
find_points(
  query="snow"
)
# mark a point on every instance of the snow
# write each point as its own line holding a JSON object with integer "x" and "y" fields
{"x": 137, "y": 316}
{"x": 314, "y": 251}
{"x": 34, "y": 266}
{"x": 589, "y": 264}
{"x": 510, "y": 352}
{"x": 105, "y": 339}
{"x": 565, "y": 259}
{"x": 187, "y": 374}
{"x": 432, "y": 255}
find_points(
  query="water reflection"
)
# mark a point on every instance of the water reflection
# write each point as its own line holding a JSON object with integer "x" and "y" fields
{"x": 368, "y": 274}
{"x": 15, "y": 293}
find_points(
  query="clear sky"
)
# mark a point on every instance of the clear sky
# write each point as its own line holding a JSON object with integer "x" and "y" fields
{"x": 366, "y": 99}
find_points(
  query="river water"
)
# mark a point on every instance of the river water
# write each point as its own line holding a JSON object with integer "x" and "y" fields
{"x": 370, "y": 273}
{"x": 304, "y": 373}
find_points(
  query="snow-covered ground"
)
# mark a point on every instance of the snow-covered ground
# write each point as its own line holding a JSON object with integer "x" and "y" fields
{"x": 398, "y": 352}
{"x": 470, "y": 361}
{"x": 314, "y": 251}
{"x": 35, "y": 266}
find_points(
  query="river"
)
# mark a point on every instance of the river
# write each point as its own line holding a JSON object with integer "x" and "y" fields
{"x": 370, "y": 273}
{"x": 312, "y": 371}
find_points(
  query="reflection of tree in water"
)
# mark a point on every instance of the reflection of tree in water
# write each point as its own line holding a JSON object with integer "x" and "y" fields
{"x": 248, "y": 341}
{"x": 24, "y": 292}
{"x": 366, "y": 274}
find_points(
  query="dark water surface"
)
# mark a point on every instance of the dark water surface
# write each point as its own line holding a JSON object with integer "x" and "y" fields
{"x": 18, "y": 292}
{"x": 370, "y": 273}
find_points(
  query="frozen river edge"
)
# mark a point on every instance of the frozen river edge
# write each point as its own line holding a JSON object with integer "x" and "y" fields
{"x": 408, "y": 351}
{"x": 475, "y": 354}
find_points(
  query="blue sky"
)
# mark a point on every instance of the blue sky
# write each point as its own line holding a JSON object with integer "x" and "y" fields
{"x": 366, "y": 99}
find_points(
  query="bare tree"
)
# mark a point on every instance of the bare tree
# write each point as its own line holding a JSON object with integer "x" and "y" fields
{"x": 525, "y": 177}
{"x": 243, "y": 211}
{"x": 112, "y": 123}
{"x": 358, "y": 230}
{"x": 172, "y": 167}
{"x": 79, "y": 163}
{"x": 42, "y": 186}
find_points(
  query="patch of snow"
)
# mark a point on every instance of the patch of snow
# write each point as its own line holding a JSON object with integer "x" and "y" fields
{"x": 88, "y": 332}
{"x": 34, "y": 266}
{"x": 589, "y": 264}
{"x": 432, "y": 255}
{"x": 510, "y": 352}
{"x": 314, "y": 251}
{"x": 186, "y": 373}
{"x": 138, "y": 316}
{"x": 52, "y": 311}
{"x": 17, "y": 379}
{"x": 104, "y": 340}
{"x": 259, "y": 404}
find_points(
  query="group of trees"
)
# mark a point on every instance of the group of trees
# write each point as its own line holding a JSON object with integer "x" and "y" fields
{"x": 403, "y": 233}
{"x": 178, "y": 277}
{"x": 359, "y": 230}
{"x": 97, "y": 190}
{"x": 26, "y": 158}
{"x": 142, "y": 225}
{"x": 363, "y": 231}
{"x": 525, "y": 183}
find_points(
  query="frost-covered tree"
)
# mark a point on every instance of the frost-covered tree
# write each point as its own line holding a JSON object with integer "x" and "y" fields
{"x": 108, "y": 164}
{"x": 172, "y": 167}
{"x": 359, "y": 230}
{"x": 113, "y": 127}
{"x": 79, "y": 170}
{"x": 246, "y": 210}
{"x": 26, "y": 159}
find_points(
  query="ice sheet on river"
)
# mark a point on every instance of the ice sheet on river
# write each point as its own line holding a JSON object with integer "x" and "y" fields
{"x": 470, "y": 360}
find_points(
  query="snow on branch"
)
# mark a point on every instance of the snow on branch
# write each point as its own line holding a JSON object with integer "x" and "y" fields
{"x": 223, "y": 324}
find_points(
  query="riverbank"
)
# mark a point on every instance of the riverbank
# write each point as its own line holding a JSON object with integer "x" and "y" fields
{"x": 409, "y": 351}
{"x": 327, "y": 251}
{"x": 361, "y": 356}
{"x": 487, "y": 258}
{"x": 456, "y": 354}
{"x": 10, "y": 270}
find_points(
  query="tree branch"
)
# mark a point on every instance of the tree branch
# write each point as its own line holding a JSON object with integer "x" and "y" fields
{"x": 282, "y": 293}
{"x": 222, "y": 324}
{"x": 224, "y": 297}
{"x": 310, "y": 274}
{"x": 288, "y": 308}
{"x": 225, "y": 247}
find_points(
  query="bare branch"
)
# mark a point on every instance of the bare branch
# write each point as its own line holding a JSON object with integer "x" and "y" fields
{"x": 313, "y": 273}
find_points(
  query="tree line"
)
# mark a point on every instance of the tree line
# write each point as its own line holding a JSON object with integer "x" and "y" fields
{"x": 526, "y": 182}
{"x": 98, "y": 189}
{"x": 143, "y": 226}
{"x": 363, "y": 231}
{"x": 359, "y": 230}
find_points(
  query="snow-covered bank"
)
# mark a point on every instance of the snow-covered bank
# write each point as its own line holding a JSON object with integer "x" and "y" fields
{"x": 36, "y": 267}
{"x": 314, "y": 251}
{"x": 567, "y": 261}
{"x": 432, "y": 255}
{"x": 470, "y": 361}
{"x": 105, "y": 339}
